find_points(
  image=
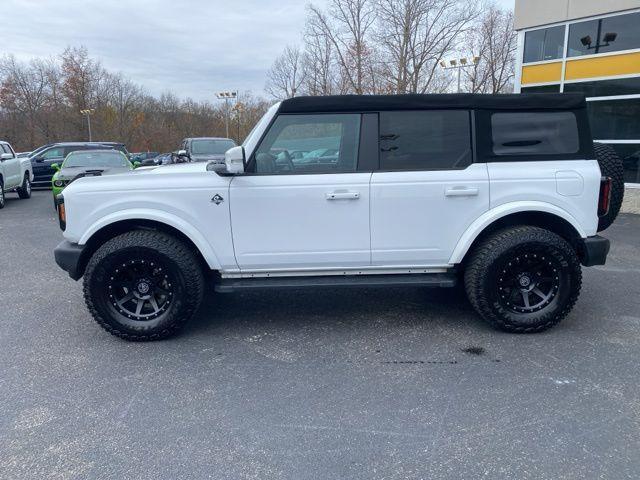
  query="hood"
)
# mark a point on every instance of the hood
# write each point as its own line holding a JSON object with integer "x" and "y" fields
{"x": 73, "y": 172}
{"x": 173, "y": 168}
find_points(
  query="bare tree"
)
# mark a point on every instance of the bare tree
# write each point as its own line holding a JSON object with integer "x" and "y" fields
{"x": 319, "y": 64}
{"x": 415, "y": 35}
{"x": 286, "y": 75}
{"x": 347, "y": 25}
{"x": 493, "y": 40}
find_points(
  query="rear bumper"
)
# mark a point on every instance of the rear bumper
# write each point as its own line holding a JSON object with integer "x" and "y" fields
{"x": 68, "y": 257}
{"x": 594, "y": 250}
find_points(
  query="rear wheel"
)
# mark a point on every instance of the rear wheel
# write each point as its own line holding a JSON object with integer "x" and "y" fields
{"x": 143, "y": 285}
{"x": 523, "y": 279}
{"x": 610, "y": 166}
{"x": 24, "y": 191}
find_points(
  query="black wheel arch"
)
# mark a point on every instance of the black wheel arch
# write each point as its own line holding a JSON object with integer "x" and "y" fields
{"x": 114, "y": 229}
{"x": 548, "y": 221}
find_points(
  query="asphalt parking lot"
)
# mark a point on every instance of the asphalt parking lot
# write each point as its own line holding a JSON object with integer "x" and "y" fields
{"x": 332, "y": 384}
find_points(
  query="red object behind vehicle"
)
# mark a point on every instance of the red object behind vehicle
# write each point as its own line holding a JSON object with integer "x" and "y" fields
{"x": 605, "y": 196}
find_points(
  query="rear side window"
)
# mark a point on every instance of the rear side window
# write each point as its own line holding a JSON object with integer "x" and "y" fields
{"x": 535, "y": 133}
{"x": 425, "y": 140}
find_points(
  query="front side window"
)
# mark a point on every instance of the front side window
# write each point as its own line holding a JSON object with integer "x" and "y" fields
{"x": 534, "y": 133}
{"x": 310, "y": 144}
{"x": 425, "y": 140}
{"x": 611, "y": 34}
{"x": 544, "y": 44}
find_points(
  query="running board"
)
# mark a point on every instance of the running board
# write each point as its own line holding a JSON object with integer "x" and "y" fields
{"x": 415, "y": 280}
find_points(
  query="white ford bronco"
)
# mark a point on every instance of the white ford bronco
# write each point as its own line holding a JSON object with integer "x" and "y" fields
{"x": 15, "y": 173}
{"x": 504, "y": 194}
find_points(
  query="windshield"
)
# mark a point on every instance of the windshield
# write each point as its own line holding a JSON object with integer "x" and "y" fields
{"x": 96, "y": 159}
{"x": 211, "y": 147}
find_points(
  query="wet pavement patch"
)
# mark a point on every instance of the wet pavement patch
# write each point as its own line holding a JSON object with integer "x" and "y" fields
{"x": 474, "y": 351}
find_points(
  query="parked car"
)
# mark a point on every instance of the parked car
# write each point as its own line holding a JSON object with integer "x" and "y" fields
{"x": 161, "y": 159}
{"x": 504, "y": 193}
{"x": 44, "y": 158}
{"x": 205, "y": 149}
{"x": 15, "y": 173}
{"x": 82, "y": 163}
{"x": 142, "y": 157}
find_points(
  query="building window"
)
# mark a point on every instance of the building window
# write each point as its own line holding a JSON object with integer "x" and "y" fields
{"x": 534, "y": 133}
{"x": 615, "y": 119}
{"x": 611, "y": 34}
{"x": 605, "y": 88}
{"x": 541, "y": 89}
{"x": 544, "y": 44}
{"x": 425, "y": 140}
{"x": 630, "y": 155}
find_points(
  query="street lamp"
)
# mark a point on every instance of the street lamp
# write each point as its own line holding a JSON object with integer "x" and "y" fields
{"x": 226, "y": 96}
{"x": 88, "y": 112}
{"x": 459, "y": 64}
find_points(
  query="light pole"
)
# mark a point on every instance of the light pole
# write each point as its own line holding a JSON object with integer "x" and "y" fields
{"x": 459, "y": 65}
{"x": 88, "y": 112}
{"x": 226, "y": 96}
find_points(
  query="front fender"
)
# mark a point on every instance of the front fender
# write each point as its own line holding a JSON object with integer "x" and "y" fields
{"x": 502, "y": 211}
{"x": 174, "y": 221}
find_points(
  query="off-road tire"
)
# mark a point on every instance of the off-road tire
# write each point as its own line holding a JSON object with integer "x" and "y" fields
{"x": 495, "y": 257}
{"x": 610, "y": 166}
{"x": 3, "y": 200}
{"x": 163, "y": 252}
{"x": 24, "y": 190}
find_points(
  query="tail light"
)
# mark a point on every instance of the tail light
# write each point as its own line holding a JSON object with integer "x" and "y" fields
{"x": 605, "y": 196}
{"x": 62, "y": 213}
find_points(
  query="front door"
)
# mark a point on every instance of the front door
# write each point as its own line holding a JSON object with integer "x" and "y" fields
{"x": 428, "y": 191}
{"x": 11, "y": 167}
{"x": 302, "y": 205}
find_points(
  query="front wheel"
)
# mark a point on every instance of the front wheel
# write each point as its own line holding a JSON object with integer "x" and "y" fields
{"x": 523, "y": 279}
{"x": 24, "y": 190}
{"x": 143, "y": 285}
{"x": 2, "y": 199}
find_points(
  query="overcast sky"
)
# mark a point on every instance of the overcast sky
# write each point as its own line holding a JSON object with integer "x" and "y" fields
{"x": 191, "y": 47}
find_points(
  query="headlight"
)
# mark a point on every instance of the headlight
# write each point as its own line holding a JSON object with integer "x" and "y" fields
{"x": 59, "y": 183}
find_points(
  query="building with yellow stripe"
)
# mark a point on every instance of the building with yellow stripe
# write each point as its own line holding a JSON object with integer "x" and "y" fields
{"x": 589, "y": 46}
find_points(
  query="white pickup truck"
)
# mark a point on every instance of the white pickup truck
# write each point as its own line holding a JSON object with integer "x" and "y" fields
{"x": 505, "y": 194}
{"x": 15, "y": 173}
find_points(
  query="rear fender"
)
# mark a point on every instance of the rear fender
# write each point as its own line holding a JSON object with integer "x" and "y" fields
{"x": 502, "y": 211}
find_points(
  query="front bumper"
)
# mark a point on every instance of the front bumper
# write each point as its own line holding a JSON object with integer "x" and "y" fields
{"x": 69, "y": 258}
{"x": 594, "y": 250}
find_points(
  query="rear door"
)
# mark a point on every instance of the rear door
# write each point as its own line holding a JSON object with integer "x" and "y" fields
{"x": 303, "y": 204}
{"x": 428, "y": 191}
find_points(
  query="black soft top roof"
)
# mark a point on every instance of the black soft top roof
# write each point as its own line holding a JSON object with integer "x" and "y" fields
{"x": 374, "y": 103}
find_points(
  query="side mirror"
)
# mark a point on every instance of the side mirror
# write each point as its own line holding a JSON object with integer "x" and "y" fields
{"x": 5, "y": 156}
{"x": 38, "y": 159}
{"x": 182, "y": 153}
{"x": 234, "y": 161}
{"x": 55, "y": 166}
